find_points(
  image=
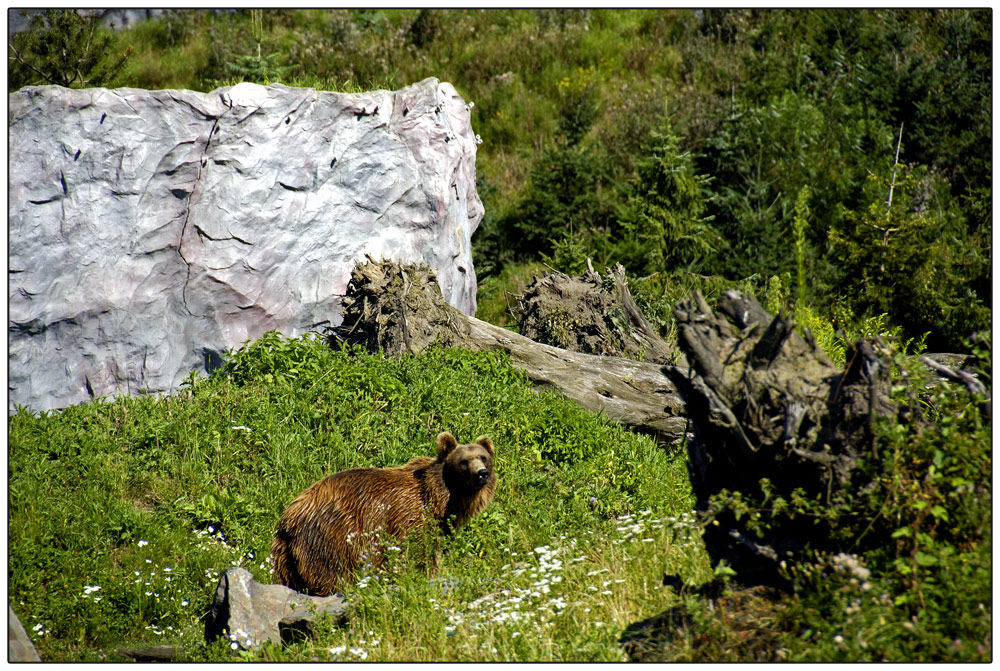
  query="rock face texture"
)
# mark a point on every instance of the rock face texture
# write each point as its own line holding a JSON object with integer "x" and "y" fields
{"x": 152, "y": 230}
{"x": 19, "y": 646}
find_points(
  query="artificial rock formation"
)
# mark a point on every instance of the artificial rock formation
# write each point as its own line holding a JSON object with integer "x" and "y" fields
{"x": 152, "y": 230}
{"x": 19, "y": 645}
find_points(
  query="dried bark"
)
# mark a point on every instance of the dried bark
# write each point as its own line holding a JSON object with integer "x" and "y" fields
{"x": 766, "y": 403}
{"x": 591, "y": 314}
{"x": 397, "y": 309}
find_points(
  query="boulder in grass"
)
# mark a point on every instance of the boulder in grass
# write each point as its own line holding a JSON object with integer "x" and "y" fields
{"x": 249, "y": 613}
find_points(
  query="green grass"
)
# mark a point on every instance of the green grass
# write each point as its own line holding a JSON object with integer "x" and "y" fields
{"x": 150, "y": 499}
{"x": 124, "y": 513}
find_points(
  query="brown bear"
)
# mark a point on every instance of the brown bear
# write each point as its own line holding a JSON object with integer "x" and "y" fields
{"x": 336, "y": 525}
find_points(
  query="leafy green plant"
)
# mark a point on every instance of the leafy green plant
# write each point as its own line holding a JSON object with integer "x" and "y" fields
{"x": 258, "y": 68}
{"x": 799, "y": 224}
{"x": 565, "y": 197}
{"x": 578, "y": 104}
{"x": 902, "y": 256}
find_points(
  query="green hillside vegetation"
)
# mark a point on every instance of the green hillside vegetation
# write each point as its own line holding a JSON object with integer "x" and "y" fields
{"x": 834, "y": 163}
{"x": 123, "y": 514}
{"x": 670, "y": 141}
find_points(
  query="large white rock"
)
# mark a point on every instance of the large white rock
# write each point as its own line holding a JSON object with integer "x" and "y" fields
{"x": 152, "y": 230}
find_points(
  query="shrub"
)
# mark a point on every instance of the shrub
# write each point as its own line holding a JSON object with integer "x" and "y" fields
{"x": 566, "y": 196}
{"x": 62, "y": 47}
{"x": 907, "y": 254}
{"x": 665, "y": 222}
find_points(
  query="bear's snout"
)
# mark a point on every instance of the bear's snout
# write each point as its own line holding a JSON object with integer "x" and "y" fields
{"x": 483, "y": 475}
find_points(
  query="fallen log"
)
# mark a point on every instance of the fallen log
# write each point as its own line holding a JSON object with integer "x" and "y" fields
{"x": 396, "y": 309}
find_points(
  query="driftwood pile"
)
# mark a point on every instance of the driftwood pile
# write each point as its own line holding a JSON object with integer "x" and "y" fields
{"x": 757, "y": 400}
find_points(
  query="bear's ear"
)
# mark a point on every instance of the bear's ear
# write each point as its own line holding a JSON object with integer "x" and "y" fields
{"x": 487, "y": 443}
{"x": 446, "y": 443}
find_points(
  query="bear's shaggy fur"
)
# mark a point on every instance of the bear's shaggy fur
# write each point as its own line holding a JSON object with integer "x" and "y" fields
{"x": 334, "y": 527}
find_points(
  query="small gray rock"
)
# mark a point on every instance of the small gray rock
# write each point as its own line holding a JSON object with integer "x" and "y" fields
{"x": 249, "y": 613}
{"x": 19, "y": 646}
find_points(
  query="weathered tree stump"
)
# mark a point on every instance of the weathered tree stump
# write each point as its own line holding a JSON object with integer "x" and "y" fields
{"x": 767, "y": 403}
{"x": 591, "y": 314}
{"x": 397, "y": 309}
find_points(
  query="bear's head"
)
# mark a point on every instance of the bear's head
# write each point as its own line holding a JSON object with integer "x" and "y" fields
{"x": 467, "y": 468}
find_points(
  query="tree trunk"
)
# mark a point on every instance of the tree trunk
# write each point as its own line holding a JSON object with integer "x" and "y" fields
{"x": 397, "y": 309}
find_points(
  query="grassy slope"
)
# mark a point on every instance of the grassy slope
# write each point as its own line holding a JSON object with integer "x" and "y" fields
{"x": 88, "y": 484}
{"x": 165, "y": 471}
